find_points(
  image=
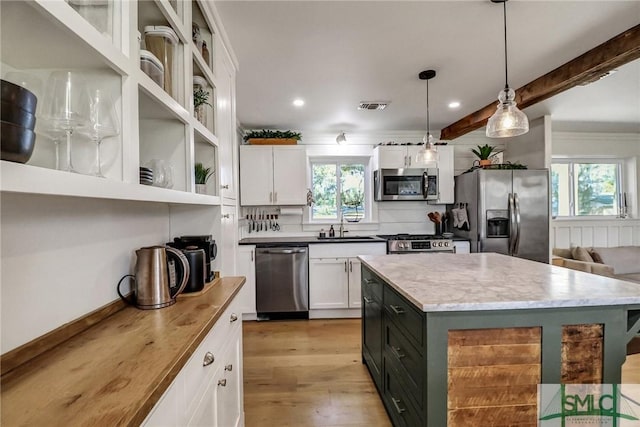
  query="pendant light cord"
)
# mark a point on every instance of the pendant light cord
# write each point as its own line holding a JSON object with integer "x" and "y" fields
{"x": 506, "y": 72}
{"x": 428, "y": 127}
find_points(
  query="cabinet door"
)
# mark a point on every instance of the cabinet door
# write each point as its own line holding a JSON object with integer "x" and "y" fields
{"x": 167, "y": 410}
{"x": 462, "y": 247}
{"x": 246, "y": 266}
{"x": 372, "y": 336}
{"x": 355, "y": 294}
{"x": 289, "y": 176}
{"x": 256, "y": 176}
{"x": 205, "y": 414}
{"x": 229, "y": 229}
{"x": 229, "y": 397}
{"x": 445, "y": 174}
{"x": 392, "y": 157}
{"x": 412, "y": 153}
{"x": 328, "y": 287}
{"x": 225, "y": 129}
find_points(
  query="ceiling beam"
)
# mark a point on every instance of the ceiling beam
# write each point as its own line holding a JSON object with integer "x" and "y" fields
{"x": 623, "y": 48}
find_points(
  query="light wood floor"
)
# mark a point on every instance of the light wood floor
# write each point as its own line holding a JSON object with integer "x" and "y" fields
{"x": 310, "y": 373}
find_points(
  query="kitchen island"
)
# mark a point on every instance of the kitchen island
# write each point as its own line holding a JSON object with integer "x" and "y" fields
{"x": 465, "y": 339}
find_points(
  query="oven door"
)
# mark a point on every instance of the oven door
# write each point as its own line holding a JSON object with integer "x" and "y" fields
{"x": 399, "y": 184}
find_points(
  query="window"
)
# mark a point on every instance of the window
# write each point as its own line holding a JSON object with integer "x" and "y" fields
{"x": 585, "y": 187}
{"x": 338, "y": 187}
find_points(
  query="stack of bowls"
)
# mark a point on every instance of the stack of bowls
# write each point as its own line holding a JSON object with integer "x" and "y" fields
{"x": 146, "y": 176}
{"x": 18, "y": 119}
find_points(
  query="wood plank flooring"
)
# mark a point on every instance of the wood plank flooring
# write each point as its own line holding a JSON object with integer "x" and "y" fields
{"x": 308, "y": 373}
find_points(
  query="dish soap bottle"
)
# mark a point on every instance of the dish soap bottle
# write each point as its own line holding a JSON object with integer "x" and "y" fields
{"x": 332, "y": 232}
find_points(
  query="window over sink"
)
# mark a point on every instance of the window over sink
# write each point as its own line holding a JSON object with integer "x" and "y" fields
{"x": 340, "y": 188}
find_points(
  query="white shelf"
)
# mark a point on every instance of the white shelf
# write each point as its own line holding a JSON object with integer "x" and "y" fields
{"x": 20, "y": 178}
{"x": 202, "y": 134}
{"x": 56, "y": 38}
{"x": 151, "y": 95}
{"x": 202, "y": 65}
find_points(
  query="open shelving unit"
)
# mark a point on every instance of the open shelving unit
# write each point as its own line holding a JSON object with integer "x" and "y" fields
{"x": 154, "y": 125}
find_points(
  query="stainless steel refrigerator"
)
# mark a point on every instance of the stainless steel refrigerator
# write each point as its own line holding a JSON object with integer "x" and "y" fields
{"x": 507, "y": 210}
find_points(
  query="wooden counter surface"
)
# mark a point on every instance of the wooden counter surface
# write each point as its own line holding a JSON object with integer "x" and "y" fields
{"x": 115, "y": 372}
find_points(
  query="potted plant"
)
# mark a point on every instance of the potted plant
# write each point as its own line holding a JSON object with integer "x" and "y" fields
{"x": 272, "y": 137}
{"x": 484, "y": 152}
{"x": 200, "y": 99}
{"x": 202, "y": 176}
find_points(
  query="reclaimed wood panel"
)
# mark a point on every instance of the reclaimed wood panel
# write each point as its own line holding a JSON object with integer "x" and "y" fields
{"x": 521, "y": 416}
{"x": 582, "y": 354}
{"x": 493, "y": 376}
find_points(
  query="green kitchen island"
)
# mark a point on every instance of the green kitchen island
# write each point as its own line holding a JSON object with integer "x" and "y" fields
{"x": 464, "y": 339}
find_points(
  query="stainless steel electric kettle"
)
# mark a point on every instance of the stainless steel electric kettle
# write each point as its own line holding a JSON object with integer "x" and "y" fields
{"x": 161, "y": 274}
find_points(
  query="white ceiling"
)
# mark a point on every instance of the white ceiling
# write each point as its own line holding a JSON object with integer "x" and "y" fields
{"x": 334, "y": 54}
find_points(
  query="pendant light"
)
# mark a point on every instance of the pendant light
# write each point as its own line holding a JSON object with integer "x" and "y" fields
{"x": 341, "y": 138}
{"x": 428, "y": 153}
{"x": 508, "y": 120}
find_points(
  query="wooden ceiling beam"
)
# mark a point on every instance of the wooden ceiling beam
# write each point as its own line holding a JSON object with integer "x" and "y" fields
{"x": 620, "y": 50}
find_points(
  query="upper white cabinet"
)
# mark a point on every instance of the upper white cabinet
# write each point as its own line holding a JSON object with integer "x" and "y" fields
{"x": 100, "y": 41}
{"x": 398, "y": 157}
{"x": 445, "y": 175}
{"x": 273, "y": 175}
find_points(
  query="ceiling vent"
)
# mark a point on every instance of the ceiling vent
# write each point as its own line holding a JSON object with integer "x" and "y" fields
{"x": 373, "y": 105}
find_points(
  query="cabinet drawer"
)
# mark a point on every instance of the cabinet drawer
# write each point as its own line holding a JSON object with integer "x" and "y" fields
{"x": 398, "y": 405}
{"x": 196, "y": 373}
{"x": 407, "y": 359}
{"x": 403, "y": 313}
{"x": 371, "y": 285}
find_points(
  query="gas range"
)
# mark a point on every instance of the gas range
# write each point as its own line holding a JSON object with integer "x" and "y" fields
{"x": 410, "y": 243}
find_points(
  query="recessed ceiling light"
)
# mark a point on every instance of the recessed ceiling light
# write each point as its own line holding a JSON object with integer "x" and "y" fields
{"x": 298, "y": 102}
{"x": 454, "y": 104}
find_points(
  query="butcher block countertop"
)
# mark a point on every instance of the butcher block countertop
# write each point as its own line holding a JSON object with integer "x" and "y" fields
{"x": 489, "y": 281}
{"x": 113, "y": 373}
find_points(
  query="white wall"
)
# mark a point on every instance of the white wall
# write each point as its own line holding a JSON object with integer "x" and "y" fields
{"x": 601, "y": 232}
{"x": 62, "y": 257}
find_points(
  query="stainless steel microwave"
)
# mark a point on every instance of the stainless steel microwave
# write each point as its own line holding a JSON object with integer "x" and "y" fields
{"x": 406, "y": 184}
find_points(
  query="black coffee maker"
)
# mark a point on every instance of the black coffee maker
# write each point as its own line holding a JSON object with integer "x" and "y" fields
{"x": 201, "y": 242}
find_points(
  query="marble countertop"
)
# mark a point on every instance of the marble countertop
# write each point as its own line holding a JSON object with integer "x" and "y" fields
{"x": 489, "y": 281}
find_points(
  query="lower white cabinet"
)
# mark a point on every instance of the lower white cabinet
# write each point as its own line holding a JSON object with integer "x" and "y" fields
{"x": 462, "y": 246}
{"x": 246, "y": 266}
{"x": 208, "y": 391}
{"x": 334, "y": 278}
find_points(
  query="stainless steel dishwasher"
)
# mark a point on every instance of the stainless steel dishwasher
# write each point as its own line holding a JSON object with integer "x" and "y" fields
{"x": 282, "y": 281}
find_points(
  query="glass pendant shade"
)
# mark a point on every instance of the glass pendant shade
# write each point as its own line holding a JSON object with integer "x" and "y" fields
{"x": 428, "y": 153}
{"x": 508, "y": 120}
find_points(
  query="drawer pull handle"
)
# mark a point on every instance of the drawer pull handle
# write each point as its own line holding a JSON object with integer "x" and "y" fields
{"x": 233, "y": 317}
{"x": 208, "y": 359}
{"x": 228, "y": 368}
{"x": 397, "y": 309}
{"x": 367, "y": 300}
{"x": 396, "y": 352}
{"x": 369, "y": 281}
{"x": 222, "y": 382}
{"x": 396, "y": 403}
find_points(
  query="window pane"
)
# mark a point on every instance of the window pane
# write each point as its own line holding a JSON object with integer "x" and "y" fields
{"x": 560, "y": 200}
{"x": 325, "y": 180}
{"x": 595, "y": 188}
{"x": 352, "y": 190}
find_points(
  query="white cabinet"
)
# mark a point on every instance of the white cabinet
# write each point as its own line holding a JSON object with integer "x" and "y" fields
{"x": 334, "y": 278}
{"x": 229, "y": 232}
{"x": 398, "y": 157}
{"x": 445, "y": 175}
{"x": 208, "y": 391}
{"x": 246, "y": 266}
{"x": 273, "y": 175}
{"x": 462, "y": 246}
{"x": 226, "y": 128}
